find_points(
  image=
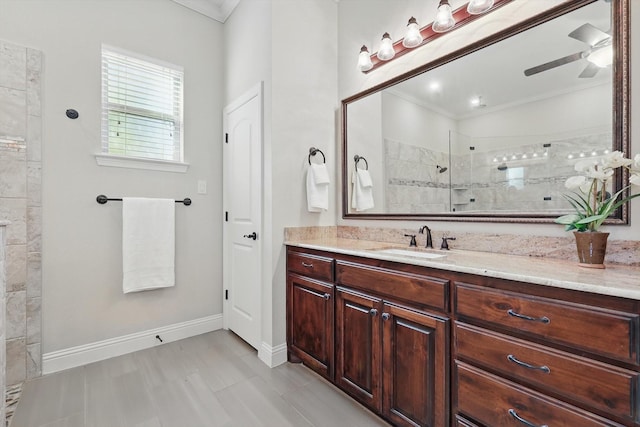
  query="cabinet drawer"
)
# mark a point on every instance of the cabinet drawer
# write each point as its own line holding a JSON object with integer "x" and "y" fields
{"x": 596, "y": 384}
{"x": 606, "y": 332}
{"x": 414, "y": 288}
{"x": 496, "y": 402}
{"x": 315, "y": 266}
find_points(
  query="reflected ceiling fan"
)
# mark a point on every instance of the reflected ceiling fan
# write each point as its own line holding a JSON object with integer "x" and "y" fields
{"x": 599, "y": 54}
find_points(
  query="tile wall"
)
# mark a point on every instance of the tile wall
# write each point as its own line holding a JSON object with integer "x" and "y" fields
{"x": 21, "y": 203}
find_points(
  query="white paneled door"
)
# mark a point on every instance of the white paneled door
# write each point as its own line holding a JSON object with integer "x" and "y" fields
{"x": 242, "y": 252}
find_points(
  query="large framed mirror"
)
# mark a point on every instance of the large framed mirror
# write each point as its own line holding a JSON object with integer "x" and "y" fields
{"x": 491, "y": 132}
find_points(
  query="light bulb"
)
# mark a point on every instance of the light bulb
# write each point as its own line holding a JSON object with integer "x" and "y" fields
{"x": 364, "y": 60}
{"x": 444, "y": 18}
{"x": 386, "y": 51}
{"x": 602, "y": 57}
{"x": 476, "y": 7}
{"x": 412, "y": 37}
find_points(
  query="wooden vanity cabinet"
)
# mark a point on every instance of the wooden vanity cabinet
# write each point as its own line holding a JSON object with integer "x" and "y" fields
{"x": 391, "y": 352}
{"x": 310, "y": 312}
{"x": 428, "y": 347}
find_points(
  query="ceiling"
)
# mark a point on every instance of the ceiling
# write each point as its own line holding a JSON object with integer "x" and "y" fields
{"x": 497, "y": 72}
{"x": 214, "y": 9}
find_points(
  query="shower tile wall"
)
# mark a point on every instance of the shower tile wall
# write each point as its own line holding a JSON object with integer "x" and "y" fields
{"x": 413, "y": 183}
{"x": 20, "y": 203}
{"x": 486, "y": 180}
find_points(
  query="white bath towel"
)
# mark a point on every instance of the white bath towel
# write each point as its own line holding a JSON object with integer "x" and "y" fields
{"x": 148, "y": 244}
{"x": 362, "y": 197}
{"x": 317, "y": 188}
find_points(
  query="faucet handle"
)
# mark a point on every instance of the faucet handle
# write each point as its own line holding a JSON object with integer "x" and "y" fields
{"x": 445, "y": 243}
{"x": 413, "y": 239}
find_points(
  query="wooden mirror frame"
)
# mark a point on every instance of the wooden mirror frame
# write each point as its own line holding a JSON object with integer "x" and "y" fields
{"x": 620, "y": 102}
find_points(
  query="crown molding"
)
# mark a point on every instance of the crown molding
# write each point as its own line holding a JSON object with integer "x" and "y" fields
{"x": 218, "y": 10}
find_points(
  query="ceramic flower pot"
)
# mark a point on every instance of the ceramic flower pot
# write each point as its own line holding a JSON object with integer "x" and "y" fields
{"x": 592, "y": 247}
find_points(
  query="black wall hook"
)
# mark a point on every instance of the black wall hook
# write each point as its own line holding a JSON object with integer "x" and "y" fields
{"x": 72, "y": 114}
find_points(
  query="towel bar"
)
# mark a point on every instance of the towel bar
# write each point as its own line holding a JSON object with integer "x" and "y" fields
{"x": 313, "y": 151}
{"x": 357, "y": 158}
{"x": 102, "y": 199}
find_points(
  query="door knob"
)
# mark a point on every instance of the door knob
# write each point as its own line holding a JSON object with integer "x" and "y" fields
{"x": 253, "y": 236}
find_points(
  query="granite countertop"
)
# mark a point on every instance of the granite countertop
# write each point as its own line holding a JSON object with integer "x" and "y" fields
{"x": 614, "y": 280}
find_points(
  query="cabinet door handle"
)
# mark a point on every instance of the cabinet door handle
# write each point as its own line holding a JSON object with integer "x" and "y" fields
{"x": 385, "y": 316}
{"x": 304, "y": 264}
{"x": 515, "y": 415}
{"x": 543, "y": 319}
{"x": 326, "y": 296}
{"x": 373, "y": 312}
{"x": 542, "y": 368}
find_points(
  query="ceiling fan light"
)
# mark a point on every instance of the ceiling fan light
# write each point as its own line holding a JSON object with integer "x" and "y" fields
{"x": 602, "y": 57}
{"x": 444, "y": 18}
{"x": 477, "y": 7}
{"x": 412, "y": 37}
{"x": 386, "y": 51}
{"x": 364, "y": 60}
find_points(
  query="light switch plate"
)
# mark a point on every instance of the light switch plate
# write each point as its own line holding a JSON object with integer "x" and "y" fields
{"x": 202, "y": 186}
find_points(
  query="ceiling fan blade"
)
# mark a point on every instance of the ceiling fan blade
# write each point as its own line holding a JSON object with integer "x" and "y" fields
{"x": 589, "y": 71}
{"x": 589, "y": 34}
{"x": 555, "y": 63}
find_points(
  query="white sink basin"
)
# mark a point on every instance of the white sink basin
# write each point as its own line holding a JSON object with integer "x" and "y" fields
{"x": 411, "y": 253}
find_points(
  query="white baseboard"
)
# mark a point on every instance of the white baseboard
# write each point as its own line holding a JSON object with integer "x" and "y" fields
{"x": 112, "y": 347}
{"x": 273, "y": 356}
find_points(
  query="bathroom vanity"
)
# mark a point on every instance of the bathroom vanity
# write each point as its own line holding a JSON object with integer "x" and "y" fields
{"x": 468, "y": 339}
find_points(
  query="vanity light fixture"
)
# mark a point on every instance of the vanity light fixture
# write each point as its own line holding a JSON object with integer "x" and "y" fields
{"x": 386, "y": 51}
{"x": 477, "y": 7}
{"x": 412, "y": 38}
{"x": 444, "y": 18}
{"x": 364, "y": 60}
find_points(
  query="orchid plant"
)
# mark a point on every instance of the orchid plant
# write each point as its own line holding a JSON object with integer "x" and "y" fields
{"x": 590, "y": 199}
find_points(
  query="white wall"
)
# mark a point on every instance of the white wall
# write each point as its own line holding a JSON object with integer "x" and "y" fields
{"x": 82, "y": 268}
{"x": 364, "y": 21}
{"x": 305, "y": 111}
{"x": 291, "y": 46}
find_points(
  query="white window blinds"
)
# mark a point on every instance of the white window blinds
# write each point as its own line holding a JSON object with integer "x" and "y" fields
{"x": 141, "y": 106}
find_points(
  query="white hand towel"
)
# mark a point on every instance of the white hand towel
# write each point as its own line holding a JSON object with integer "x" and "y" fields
{"x": 148, "y": 244}
{"x": 362, "y": 197}
{"x": 317, "y": 188}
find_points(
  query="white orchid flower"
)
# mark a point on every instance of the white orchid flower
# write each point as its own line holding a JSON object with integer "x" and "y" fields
{"x": 575, "y": 182}
{"x": 634, "y": 179}
{"x": 615, "y": 159}
{"x": 636, "y": 161}
{"x": 600, "y": 175}
{"x": 586, "y": 165}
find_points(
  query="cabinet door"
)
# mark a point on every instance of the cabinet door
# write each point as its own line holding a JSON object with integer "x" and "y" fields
{"x": 415, "y": 368}
{"x": 358, "y": 351}
{"x": 310, "y": 323}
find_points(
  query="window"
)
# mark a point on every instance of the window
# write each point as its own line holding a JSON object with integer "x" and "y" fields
{"x": 141, "y": 107}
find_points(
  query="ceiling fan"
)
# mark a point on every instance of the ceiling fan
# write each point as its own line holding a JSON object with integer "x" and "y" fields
{"x": 598, "y": 54}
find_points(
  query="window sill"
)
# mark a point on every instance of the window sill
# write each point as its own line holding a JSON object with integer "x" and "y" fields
{"x": 138, "y": 163}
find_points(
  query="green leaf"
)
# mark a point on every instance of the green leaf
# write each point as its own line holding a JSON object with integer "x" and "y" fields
{"x": 568, "y": 219}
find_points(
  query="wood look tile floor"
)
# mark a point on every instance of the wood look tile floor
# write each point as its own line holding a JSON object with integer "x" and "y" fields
{"x": 215, "y": 379}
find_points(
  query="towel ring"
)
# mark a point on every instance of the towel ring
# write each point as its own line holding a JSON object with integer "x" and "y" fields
{"x": 357, "y": 158}
{"x": 313, "y": 151}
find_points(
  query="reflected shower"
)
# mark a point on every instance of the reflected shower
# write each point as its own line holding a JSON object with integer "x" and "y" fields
{"x": 441, "y": 169}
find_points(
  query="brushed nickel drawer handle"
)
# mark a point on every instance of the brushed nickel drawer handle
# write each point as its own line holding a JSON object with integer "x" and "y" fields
{"x": 515, "y": 415}
{"x": 543, "y": 319}
{"x": 542, "y": 368}
{"x": 304, "y": 264}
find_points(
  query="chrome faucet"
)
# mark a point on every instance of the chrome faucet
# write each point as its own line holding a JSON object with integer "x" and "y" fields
{"x": 413, "y": 239}
{"x": 445, "y": 244}
{"x": 429, "y": 243}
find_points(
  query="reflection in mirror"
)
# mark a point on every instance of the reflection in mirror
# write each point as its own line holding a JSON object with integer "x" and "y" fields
{"x": 496, "y": 132}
